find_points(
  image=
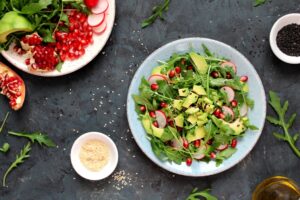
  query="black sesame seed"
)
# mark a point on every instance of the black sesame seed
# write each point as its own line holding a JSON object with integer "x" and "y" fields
{"x": 288, "y": 40}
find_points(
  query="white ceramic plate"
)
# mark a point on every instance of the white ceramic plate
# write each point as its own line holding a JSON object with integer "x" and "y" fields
{"x": 70, "y": 66}
{"x": 256, "y": 92}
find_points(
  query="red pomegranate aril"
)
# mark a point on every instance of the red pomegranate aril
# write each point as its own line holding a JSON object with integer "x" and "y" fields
{"x": 171, "y": 123}
{"x": 182, "y": 61}
{"x": 197, "y": 143}
{"x": 155, "y": 123}
{"x": 222, "y": 116}
{"x": 178, "y": 70}
{"x": 185, "y": 143}
{"x": 27, "y": 61}
{"x": 179, "y": 129}
{"x": 189, "y": 161}
{"x": 234, "y": 103}
{"x": 154, "y": 86}
{"x": 142, "y": 108}
{"x": 233, "y": 143}
{"x": 152, "y": 114}
{"x": 209, "y": 142}
{"x": 228, "y": 75}
{"x": 214, "y": 74}
{"x": 217, "y": 112}
{"x": 163, "y": 104}
{"x": 172, "y": 73}
{"x": 244, "y": 78}
{"x": 190, "y": 67}
{"x": 213, "y": 155}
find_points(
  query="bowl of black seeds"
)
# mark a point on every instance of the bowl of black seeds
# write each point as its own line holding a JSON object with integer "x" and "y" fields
{"x": 285, "y": 38}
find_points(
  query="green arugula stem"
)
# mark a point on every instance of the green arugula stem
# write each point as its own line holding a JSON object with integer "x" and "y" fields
{"x": 288, "y": 137}
{"x": 4, "y": 121}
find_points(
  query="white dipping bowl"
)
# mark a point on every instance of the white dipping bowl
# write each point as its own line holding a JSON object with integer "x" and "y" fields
{"x": 293, "y": 18}
{"x": 103, "y": 172}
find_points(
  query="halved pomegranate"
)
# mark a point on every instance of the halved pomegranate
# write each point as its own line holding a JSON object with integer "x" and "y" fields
{"x": 13, "y": 87}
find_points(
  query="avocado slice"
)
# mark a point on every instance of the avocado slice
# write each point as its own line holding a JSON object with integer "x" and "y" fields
{"x": 147, "y": 124}
{"x": 157, "y": 132}
{"x": 199, "y": 63}
{"x": 198, "y": 89}
{"x": 192, "y": 110}
{"x": 237, "y": 126}
{"x": 13, "y": 22}
{"x": 192, "y": 119}
{"x": 199, "y": 133}
{"x": 189, "y": 100}
{"x": 184, "y": 92}
{"x": 177, "y": 104}
{"x": 179, "y": 120}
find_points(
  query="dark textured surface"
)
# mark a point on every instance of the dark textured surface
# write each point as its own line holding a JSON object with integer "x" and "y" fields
{"x": 64, "y": 107}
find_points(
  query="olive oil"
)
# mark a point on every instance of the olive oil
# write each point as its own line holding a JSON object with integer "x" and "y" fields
{"x": 277, "y": 188}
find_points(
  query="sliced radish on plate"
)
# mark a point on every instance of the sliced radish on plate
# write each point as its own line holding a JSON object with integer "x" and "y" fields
{"x": 101, "y": 7}
{"x": 229, "y": 91}
{"x": 228, "y": 111}
{"x": 161, "y": 118}
{"x": 229, "y": 64}
{"x": 95, "y": 20}
{"x": 100, "y": 29}
{"x": 177, "y": 143}
{"x": 243, "y": 110}
{"x": 200, "y": 152}
{"x": 156, "y": 77}
{"x": 222, "y": 147}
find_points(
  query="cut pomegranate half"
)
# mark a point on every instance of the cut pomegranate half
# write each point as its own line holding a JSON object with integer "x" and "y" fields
{"x": 156, "y": 77}
{"x": 101, "y": 7}
{"x": 95, "y": 20}
{"x": 13, "y": 87}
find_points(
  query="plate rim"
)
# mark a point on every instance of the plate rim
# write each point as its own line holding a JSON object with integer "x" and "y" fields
{"x": 49, "y": 74}
{"x": 230, "y": 165}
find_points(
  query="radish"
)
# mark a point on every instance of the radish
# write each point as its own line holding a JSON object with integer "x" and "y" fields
{"x": 161, "y": 118}
{"x": 229, "y": 64}
{"x": 91, "y": 3}
{"x": 228, "y": 111}
{"x": 95, "y": 20}
{"x": 176, "y": 143}
{"x": 101, "y": 7}
{"x": 200, "y": 153}
{"x": 222, "y": 147}
{"x": 243, "y": 110}
{"x": 230, "y": 93}
{"x": 100, "y": 29}
{"x": 156, "y": 77}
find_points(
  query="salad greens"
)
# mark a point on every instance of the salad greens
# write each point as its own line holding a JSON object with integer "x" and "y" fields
{"x": 157, "y": 12}
{"x": 39, "y": 137}
{"x": 195, "y": 195}
{"x": 20, "y": 158}
{"x": 194, "y": 107}
{"x": 281, "y": 121}
{"x": 259, "y": 2}
{"x": 5, "y": 147}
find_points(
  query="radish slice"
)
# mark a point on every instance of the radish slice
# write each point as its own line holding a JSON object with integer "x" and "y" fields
{"x": 230, "y": 93}
{"x": 161, "y": 118}
{"x": 229, "y": 64}
{"x": 228, "y": 111}
{"x": 243, "y": 110}
{"x": 222, "y": 147}
{"x": 177, "y": 144}
{"x": 200, "y": 152}
{"x": 101, "y": 7}
{"x": 95, "y": 20}
{"x": 100, "y": 29}
{"x": 156, "y": 77}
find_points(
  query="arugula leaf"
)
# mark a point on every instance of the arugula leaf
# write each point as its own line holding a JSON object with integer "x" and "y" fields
{"x": 33, "y": 8}
{"x": 143, "y": 101}
{"x": 259, "y": 2}
{"x": 195, "y": 195}
{"x": 165, "y": 89}
{"x": 5, "y": 147}
{"x": 281, "y": 121}
{"x": 157, "y": 12}
{"x": 59, "y": 66}
{"x": 4, "y": 121}
{"x": 20, "y": 158}
{"x": 36, "y": 137}
{"x": 207, "y": 51}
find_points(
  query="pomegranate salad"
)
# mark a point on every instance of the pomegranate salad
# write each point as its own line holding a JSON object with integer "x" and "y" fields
{"x": 49, "y": 32}
{"x": 194, "y": 107}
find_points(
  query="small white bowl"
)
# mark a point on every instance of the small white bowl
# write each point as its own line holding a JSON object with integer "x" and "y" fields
{"x": 81, "y": 169}
{"x": 293, "y": 18}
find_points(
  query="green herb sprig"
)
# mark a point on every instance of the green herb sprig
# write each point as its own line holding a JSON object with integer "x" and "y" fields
{"x": 4, "y": 121}
{"x": 259, "y": 2}
{"x": 20, "y": 158}
{"x": 281, "y": 121}
{"x": 39, "y": 137}
{"x": 195, "y": 195}
{"x": 5, "y": 147}
{"x": 157, "y": 12}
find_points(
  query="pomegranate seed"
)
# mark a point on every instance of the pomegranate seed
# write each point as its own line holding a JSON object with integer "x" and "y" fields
{"x": 155, "y": 124}
{"x": 163, "y": 104}
{"x": 222, "y": 116}
{"x": 212, "y": 155}
{"x": 244, "y": 78}
{"x": 214, "y": 74}
{"x": 189, "y": 161}
{"x": 217, "y": 112}
{"x": 154, "y": 86}
{"x": 143, "y": 108}
{"x": 233, "y": 143}
{"x": 179, "y": 129}
{"x": 171, "y": 73}
{"x": 152, "y": 114}
{"x": 171, "y": 123}
{"x": 27, "y": 61}
{"x": 183, "y": 61}
{"x": 228, "y": 75}
{"x": 185, "y": 143}
{"x": 190, "y": 67}
{"x": 234, "y": 103}
{"x": 178, "y": 70}
{"x": 197, "y": 143}
{"x": 209, "y": 142}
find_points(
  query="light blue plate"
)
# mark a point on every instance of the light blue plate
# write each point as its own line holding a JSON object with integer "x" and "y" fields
{"x": 256, "y": 115}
